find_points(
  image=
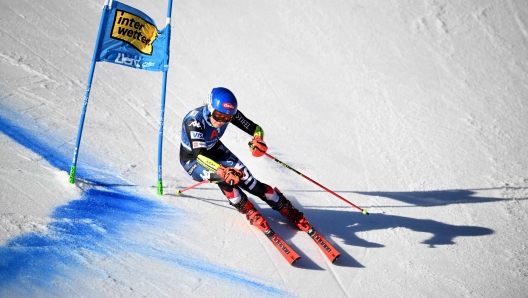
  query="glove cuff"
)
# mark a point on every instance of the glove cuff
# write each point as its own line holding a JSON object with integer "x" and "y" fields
{"x": 259, "y": 132}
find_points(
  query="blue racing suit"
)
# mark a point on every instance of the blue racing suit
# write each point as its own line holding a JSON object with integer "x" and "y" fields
{"x": 198, "y": 136}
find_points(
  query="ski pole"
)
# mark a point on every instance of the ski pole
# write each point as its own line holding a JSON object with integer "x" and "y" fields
{"x": 179, "y": 191}
{"x": 364, "y": 211}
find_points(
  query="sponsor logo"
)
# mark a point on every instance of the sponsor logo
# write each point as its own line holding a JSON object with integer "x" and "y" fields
{"x": 199, "y": 145}
{"x": 205, "y": 175}
{"x": 279, "y": 244}
{"x": 228, "y": 106}
{"x": 242, "y": 120}
{"x": 322, "y": 243}
{"x": 214, "y": 134}
{"x": 134, "y": 30}
{"x": 147, "y": 64}
{"x": 191, "y": 169}
{"x": 195, "y": 123}
{"x": 197, "y": 135}
{"x": 123, "y": 59}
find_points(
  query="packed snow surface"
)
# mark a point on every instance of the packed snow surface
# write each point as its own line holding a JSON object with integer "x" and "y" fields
{"x": 414, "y": 110}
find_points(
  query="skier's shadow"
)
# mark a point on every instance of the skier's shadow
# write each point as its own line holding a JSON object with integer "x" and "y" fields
{"x": 346, "y": 223}
{"x": 444, "y": 197}
{"x": 287, "y": 231}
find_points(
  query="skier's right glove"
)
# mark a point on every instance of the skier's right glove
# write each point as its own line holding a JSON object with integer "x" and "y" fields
{"x": 230, "y": 175}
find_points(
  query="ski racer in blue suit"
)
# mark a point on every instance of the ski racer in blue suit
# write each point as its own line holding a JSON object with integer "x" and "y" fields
{"x": 204, "y": 157}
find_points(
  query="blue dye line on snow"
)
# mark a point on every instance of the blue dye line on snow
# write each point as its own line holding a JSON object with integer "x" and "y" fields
{"x": 94, "y": 223}
{"x": 34, "y": 138}
{"x": 27, "y": 139}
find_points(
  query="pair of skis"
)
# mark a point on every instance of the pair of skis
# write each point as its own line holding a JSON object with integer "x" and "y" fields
{"x": 287, "y": 252}
{"x": 291, "y": 256}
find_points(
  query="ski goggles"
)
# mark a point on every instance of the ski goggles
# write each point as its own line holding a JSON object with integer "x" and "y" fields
{"x": 221, "y": 117}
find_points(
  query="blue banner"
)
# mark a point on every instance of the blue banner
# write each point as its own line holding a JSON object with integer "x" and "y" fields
{"x": 130, "y": 38}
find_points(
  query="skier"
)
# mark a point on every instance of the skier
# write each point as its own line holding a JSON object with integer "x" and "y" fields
{"x": 204, "y": 157}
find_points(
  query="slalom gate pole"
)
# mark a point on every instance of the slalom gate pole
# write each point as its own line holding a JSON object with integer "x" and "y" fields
{"x": 364, "y": 211}
{"x": 73, "y": 167}
{"x": 163, "y": 94}
{"x": 179, "y": 191}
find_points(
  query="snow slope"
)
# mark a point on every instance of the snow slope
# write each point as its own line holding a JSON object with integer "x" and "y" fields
{"x": 414, "y": 110}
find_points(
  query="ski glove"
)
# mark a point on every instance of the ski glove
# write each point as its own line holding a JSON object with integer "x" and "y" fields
{"x": 230, "y": 175}
{"x": 257, "y": 146}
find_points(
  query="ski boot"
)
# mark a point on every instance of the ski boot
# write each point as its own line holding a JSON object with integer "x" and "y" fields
{"x": 253, "y": 216}
{"x": 285, "y": 207}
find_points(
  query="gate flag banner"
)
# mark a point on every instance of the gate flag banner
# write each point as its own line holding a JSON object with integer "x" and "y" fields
{"x": 129, "y": 37}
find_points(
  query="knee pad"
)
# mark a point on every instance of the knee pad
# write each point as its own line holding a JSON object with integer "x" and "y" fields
{"x": 271, "y": 197}
{"x": 236, "y": 197}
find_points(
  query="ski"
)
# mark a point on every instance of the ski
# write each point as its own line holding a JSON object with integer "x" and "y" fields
{"x": 296, "y": 217}
{"x": 330, "y": 252}
{"x": 257, "y": 220}
{"x": 287, "y": 252}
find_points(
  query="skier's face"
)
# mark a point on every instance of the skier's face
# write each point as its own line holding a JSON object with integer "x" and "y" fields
{"x": 216, "y": 124}
{"x": 218, "y": 119}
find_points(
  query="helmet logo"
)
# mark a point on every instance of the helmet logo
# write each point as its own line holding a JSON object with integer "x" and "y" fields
{"x": 228, "y": 106}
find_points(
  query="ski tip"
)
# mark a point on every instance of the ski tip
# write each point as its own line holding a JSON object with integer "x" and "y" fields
{"x": 295, "y": 260}
{"x": 335, "y": 258}
{"x": 178, "y": 192}
{"x": 364, "y": 211}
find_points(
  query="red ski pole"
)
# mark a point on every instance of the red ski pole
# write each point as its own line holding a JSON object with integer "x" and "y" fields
{"x": 179, "y": 191}
{"x": 364, "y": 211}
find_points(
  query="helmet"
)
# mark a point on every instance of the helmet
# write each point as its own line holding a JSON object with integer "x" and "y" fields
{"x": 222, "y": 100}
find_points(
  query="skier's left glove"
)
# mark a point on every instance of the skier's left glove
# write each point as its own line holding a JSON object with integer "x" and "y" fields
{"x": 257, "y": 146}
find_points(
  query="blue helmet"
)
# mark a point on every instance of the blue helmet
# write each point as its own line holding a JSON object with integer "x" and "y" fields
{"x": 222, "y": 100}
